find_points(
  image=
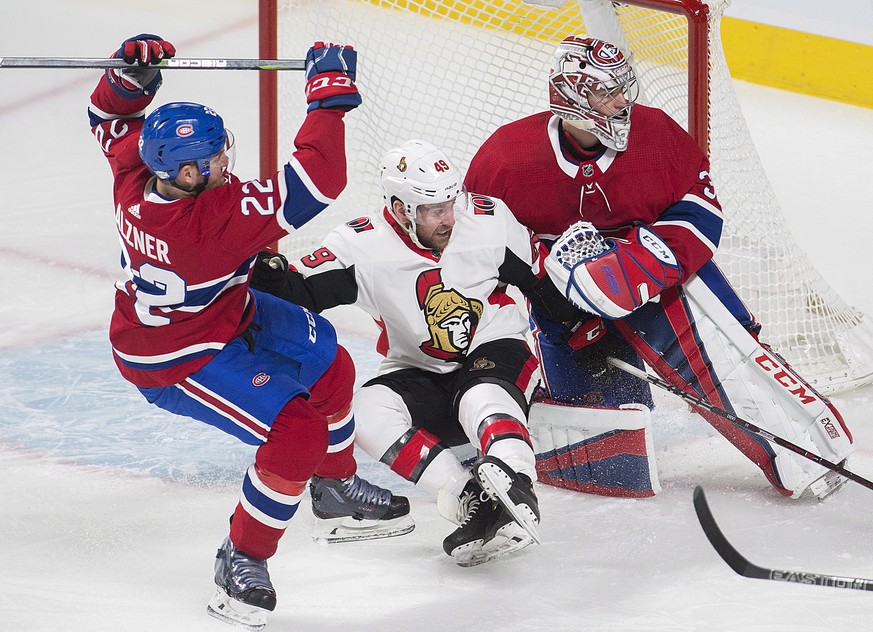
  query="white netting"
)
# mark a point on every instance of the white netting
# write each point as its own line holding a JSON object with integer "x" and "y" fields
{"x": 452, "y": 72}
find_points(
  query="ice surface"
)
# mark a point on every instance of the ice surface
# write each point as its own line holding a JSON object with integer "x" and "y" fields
{"x": 111, "y": 510}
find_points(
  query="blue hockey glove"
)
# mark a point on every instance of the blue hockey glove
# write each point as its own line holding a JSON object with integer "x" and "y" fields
{"x": 330, "y": 77}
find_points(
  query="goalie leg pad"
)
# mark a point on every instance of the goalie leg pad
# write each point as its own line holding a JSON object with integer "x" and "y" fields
{"x": 694, "y": 342}
{"x": 604, "y": 451}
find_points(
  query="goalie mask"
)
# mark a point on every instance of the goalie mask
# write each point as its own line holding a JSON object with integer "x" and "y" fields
{"x": 593, "y": 87}
{"x": 417, "y": 173}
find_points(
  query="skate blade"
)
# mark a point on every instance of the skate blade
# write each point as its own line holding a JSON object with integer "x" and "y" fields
{"x": 464, "y": 554}
{"x": 235, "y": 612}
{"x": 828, "y": 485}
{"x": 337, "y": 530}
{"x": 496, "y": 483}
{"x": 509, "y": 539}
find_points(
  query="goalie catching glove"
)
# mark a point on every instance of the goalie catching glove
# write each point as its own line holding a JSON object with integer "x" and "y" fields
{"x": 611, "y": 277}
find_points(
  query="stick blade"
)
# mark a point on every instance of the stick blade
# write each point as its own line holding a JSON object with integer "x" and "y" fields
{"x": 719, "y": 542}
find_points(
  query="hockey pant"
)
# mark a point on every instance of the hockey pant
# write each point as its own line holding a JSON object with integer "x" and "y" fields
{"x": 410, "y": 419}
{"x": 286, "y": 390}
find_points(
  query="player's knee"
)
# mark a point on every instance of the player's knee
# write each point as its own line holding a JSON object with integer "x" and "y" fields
{"x": 332, "y": 392}
{"x": 297, "y": 443}
{"x": 381, "y": 417}
{"x": 477, "y": 400}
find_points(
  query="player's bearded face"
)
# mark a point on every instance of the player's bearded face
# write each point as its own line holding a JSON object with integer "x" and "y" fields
{"x": 434, "y": 224}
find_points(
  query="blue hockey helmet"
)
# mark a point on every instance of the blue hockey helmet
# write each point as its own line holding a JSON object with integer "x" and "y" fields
{"x": 179, "y": 133}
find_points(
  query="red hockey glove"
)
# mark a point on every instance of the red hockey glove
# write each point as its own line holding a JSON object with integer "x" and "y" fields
{"x": 585, "y": 333}
{"x": 611, "y": 277}
{"x": 143, "y": 50}
{"x": 581, "y": 338}
{"x": 146, "y": 49}
{"x": 330, "y": 77}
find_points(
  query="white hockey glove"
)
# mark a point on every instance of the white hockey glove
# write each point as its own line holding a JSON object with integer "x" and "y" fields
{"x": 611, "y": 277}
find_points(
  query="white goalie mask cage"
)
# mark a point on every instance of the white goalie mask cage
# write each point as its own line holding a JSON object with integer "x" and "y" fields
{"x": 418, "y": 173}
{"x": 589, "y": 72}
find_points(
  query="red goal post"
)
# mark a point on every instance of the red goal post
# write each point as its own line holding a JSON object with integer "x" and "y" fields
{"x": 451, "y": 71}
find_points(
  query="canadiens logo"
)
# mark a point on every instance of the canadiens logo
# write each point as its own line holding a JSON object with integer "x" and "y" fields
{"x": 593, "y": 398}
{"x": 481, "y": 364}
{"x": 605, "y": 54}
{"x": 260, "y": 379}
{"x": 184, "y": 130}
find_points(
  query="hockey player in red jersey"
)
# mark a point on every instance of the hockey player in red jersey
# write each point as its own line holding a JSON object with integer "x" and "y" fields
{"x": 192, "y": 336}
{"x": 653, "y": 292}
{"x": 432, "y": 269}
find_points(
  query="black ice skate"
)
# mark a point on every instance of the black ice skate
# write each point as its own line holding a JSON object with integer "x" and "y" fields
{"x": 486, "y": 531}
{"x": 244, "y": 593}
{"x": 354, "y": 509}
{"x": 514, "y": 491}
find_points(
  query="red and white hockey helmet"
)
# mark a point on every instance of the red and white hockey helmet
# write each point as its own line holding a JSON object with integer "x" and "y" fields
{"x": 418, "y": 173}
{"x": 593, "y": 87}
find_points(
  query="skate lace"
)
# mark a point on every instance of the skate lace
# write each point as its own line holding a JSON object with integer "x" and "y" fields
{"x": 366, "y": 493}
{"x": 469, "y": 505}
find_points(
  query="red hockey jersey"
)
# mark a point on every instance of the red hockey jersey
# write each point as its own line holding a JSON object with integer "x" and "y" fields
{"x": 660, "y": 180}
{"x": 187, "y": 262}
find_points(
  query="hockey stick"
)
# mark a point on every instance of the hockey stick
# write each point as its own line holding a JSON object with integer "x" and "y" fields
{"x": 742, "y": 423}
{"x": 744, "y": 567}
{"x": 166, "y": 64}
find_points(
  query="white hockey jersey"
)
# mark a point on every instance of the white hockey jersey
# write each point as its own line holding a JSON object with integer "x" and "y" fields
{"x": 432, "y": 308}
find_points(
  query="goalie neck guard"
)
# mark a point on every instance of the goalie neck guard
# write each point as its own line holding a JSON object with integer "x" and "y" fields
{"x": 593, "y": 87}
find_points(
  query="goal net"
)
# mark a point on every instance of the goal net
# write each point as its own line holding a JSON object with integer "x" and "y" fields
{"x": 452, "y": 71}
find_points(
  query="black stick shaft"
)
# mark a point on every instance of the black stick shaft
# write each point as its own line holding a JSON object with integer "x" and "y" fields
{"x": 742, "y": 423}
{"x": 178, "y": 63}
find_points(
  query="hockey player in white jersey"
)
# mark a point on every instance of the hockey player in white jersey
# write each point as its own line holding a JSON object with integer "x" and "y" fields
{"x": 432, "y": 269}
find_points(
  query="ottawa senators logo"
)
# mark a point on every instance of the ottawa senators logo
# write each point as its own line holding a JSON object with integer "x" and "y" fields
{"x": 482, "y": 364}
{"x": 451, "y": 318}
{"x": 482, "y": 205}
{"x": 360, "y": 224}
